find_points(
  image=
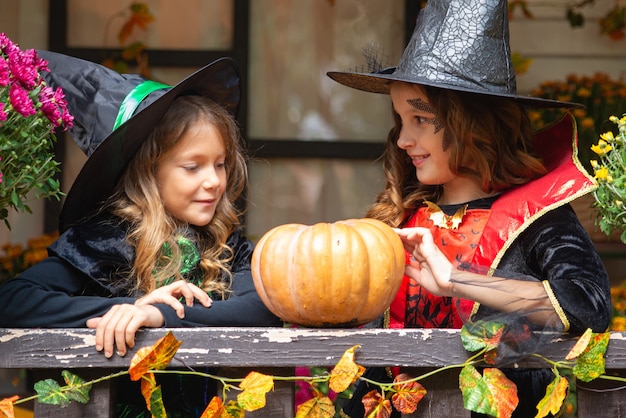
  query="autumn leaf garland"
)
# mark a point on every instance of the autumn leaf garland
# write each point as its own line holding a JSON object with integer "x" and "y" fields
{"x": 487, "y": 392}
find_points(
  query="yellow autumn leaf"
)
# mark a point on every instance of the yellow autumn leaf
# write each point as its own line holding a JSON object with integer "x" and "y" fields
{"x": 345, "y": 372}
{"x": 214, "y": 409}
{"x": 555, "y": 395}
{"x": 502, "y": 390}
{"x": 319, "y": 407}
{"x": 580, "y": 345}
{"x": 148, "y": 384}
{"x": 156, "y": 357}
{"x": 6, "y": 406}
{"x": 255, "y": 385}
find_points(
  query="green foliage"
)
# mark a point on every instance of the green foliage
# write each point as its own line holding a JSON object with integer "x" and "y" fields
{"x": 610, "y": 172}
{"x": 50, "y": 392}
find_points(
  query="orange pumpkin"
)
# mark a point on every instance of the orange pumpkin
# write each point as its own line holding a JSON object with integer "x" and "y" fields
{"x": 340, "y": 274}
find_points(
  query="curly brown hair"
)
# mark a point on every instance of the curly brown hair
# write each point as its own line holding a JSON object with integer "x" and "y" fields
{"x": 491, "y": 142}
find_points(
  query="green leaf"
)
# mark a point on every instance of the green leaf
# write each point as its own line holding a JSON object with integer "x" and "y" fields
{"x": 77, "y": 390}
{"x": 50, "y": 392}
{"x": 15, "y": 199}
{"x": 474, "y": 391}
{"x": 492, "y": 393}
{"x": 481, "y": 334}
{"x": 590, "y": 363}
{"x": 157, "y": 409}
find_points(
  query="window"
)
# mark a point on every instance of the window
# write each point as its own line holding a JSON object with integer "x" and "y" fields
{"x": 314, "y": 143}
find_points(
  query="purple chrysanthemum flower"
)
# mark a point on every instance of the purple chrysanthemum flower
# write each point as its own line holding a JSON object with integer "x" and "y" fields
{"x": 3, "y": 114}
{"x": 49, "y": 106}
{"x": 54, "y": 107}
{"x": 67, "y": 120}
{"x": 5, "y": 74}
{"x": 41, "y": 64}
{"x": 21, "y": 102}
{"x": 6, "y": 45}
{"x": 23, "y": 68}
{"x": 30, "y": 108}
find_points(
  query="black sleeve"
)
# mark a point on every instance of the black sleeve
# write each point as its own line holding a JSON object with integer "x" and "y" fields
{"x": 55, "y": 293}
{"x": 242, "y": 308}
{"x": 52, "y": 294}
{"x": 557, "y": 248}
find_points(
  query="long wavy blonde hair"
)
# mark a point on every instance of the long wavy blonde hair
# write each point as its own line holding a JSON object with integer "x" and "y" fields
{"x": 491, "y": 142}
{"x": 137, "y": 201}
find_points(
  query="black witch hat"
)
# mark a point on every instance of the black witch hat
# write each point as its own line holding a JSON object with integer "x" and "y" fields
{"x": 114, "y": 113}
{"x": 457, "y": 44}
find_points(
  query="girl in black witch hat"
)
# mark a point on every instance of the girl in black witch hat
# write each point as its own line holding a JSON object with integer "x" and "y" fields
{"x": 480, "y": 202}
{"x": 150, "y": 234}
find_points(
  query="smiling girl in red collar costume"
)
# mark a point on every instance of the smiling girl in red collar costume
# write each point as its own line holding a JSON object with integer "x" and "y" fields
{"x": 479, "y": 200}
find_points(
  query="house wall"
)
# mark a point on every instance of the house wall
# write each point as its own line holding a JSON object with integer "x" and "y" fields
{"x": 556, "y": 50}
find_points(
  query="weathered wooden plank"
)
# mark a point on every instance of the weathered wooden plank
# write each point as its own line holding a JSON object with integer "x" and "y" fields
{"x": 262, "y": 347}
{"x": 278, "y": 350}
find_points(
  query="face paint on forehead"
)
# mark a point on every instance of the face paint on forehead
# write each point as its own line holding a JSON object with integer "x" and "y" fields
{"x": 419, "y": 104}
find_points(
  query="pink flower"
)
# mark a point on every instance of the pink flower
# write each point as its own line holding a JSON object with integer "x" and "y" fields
{"x": 4, "y": 73}
{"x": 24, "y": 68}
{"x": 49, "y": 106}
{"x": 21, "y": 102}
{"x": 29, "y": 114}
{"x": 3, "y": 114}
{"x": 6, "y": 45}
{"x": 54, "y": 107}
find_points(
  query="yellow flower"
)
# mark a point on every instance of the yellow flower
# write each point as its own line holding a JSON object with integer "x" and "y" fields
{"x": 602, "y": 148}
{"x": 607, "y": 136}
{"x": 602, "y": 173}
{"x": 610, "y": 171}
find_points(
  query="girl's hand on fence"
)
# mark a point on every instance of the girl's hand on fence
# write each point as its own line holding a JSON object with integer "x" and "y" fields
{"x": 117, "y": 328}
{"x": 171, "y": 295}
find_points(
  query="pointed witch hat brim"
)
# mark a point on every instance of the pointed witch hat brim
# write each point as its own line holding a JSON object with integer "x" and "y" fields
{"x": 113, "y": 116}
{"x": 97, "y": 97}
{"x": 458, "y": 45}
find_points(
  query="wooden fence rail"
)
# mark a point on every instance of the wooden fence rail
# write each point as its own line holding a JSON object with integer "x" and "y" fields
{"x": 277, "y": 351}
